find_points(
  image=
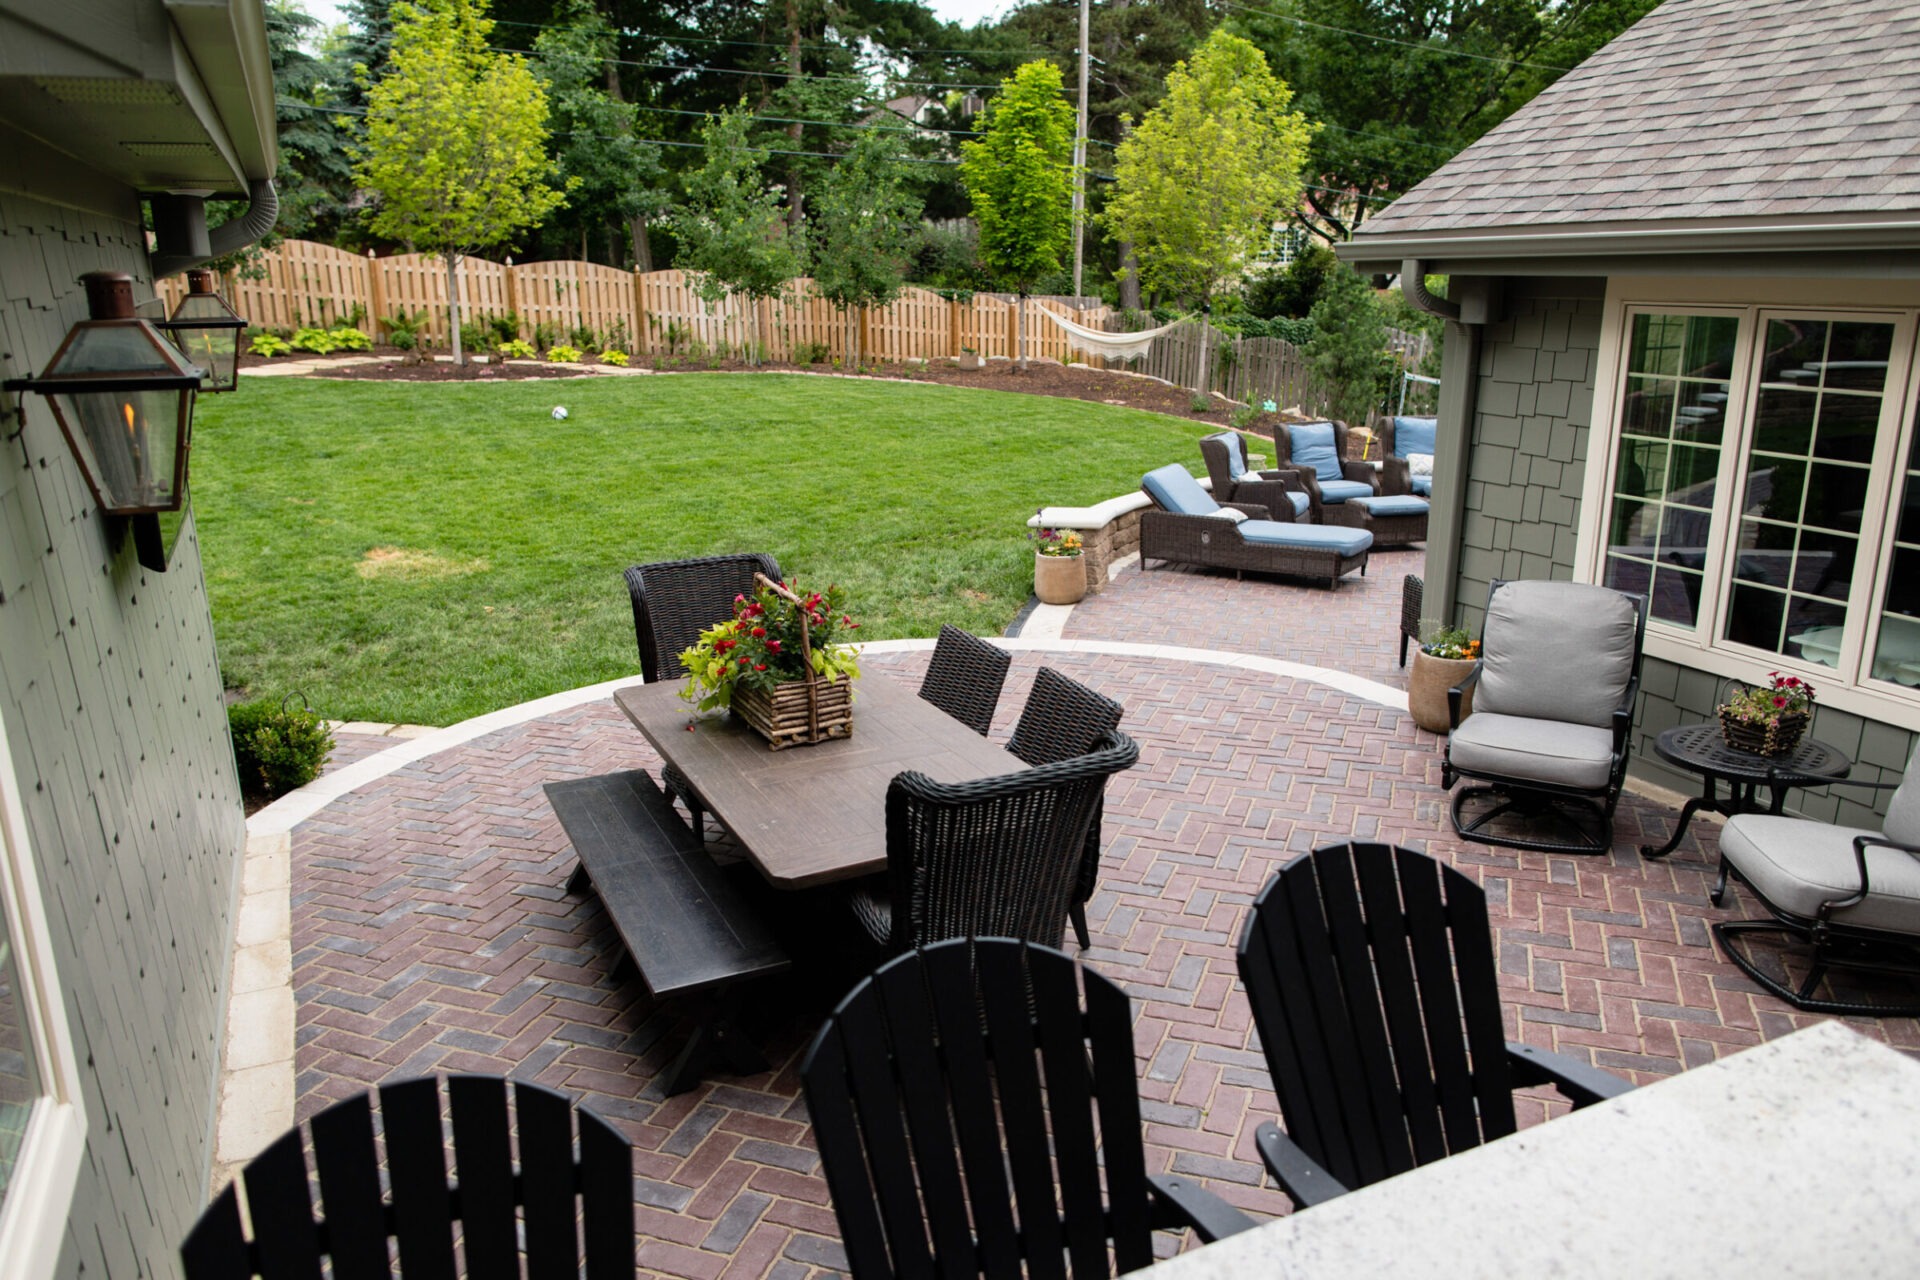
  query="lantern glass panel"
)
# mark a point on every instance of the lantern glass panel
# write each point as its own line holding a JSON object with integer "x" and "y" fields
{"x": 207, "y": 332}
{"x": 129, "y": 442}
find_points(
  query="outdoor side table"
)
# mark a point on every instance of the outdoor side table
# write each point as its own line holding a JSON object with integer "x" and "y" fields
{"x": 1699, "y": 748}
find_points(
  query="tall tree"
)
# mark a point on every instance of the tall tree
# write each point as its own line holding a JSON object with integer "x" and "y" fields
{"x": 456, "y": 140}
{"x": 1400, "y": 86}
{"x": 1202, "y": 177}
{"x": 1348, "y": 351}
{"x": 864, "y": 227}
{"x": 732, "y": 232}
{"x": 1019, "y": 176}
{"x": 315, "y": 177}
{"x": 618, "y": 179}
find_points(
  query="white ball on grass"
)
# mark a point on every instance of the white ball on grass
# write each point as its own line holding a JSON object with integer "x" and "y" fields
{"x": 559, "y": 413}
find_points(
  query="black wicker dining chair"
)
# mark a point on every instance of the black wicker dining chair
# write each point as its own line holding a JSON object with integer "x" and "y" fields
{"x": 965, "y": 677}
{"x": 673, "y": 602}
{"x": 997, "y": 857}
{"x": 517, "y": 1194}
{"x": 929, "y": 1061}
{"x": 1370, "y": 972}
{"x": 1063, "y": 719}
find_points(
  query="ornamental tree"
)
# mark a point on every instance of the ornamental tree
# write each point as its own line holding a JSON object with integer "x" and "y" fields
{"x": 1348, "y": 351}
{"x": 865, "y": 224}
{"x": 1203, "y": 176}
{"x": 733, "y": 235}
{"x": 1019, "y": 174}
{"x": 455, "y": 143}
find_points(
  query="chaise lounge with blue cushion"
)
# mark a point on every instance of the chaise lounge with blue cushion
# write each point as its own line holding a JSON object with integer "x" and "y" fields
{"x": 1281, "y": 492}
{"x": 1404, "y": 442}
{"x": 1316, "y": 451}
{"x": 1186, "y": 526}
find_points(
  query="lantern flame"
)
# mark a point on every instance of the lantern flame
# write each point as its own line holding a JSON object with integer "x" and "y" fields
{"x": 127, "y": 411}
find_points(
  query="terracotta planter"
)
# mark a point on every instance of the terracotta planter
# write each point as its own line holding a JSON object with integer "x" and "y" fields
{"x": 1427, "y": 687}
{"x": 1059, "y": 579}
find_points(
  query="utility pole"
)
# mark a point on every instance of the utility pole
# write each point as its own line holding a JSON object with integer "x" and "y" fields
{"x": 1080, "y": 159}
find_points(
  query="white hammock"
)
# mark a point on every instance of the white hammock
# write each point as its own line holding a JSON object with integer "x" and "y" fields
{"x": 1120, "y": 346}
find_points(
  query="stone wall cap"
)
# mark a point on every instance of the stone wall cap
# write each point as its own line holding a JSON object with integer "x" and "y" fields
{"x": 1097, "y": 516}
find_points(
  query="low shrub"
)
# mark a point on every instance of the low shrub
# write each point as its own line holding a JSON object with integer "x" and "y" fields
{"x": 585, "y": 338}
{"x": 564, "y": 355}
{"x": 1200, "y": 403}
{"x": 265, "y": 344}
{"x": 347, "y": 338}
{"x": 517, "y": 349}
{"x": 616, "y": 358}
{"x": 811, "y": 353}
{"x": 318, "y": 341}
{"x": 276, "y": 747}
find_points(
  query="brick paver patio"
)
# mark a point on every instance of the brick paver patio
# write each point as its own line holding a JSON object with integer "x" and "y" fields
{"x": 431, "y": 931}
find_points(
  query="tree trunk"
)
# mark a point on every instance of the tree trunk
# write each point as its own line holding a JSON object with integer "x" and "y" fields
{"x": 1130, "y": 281}
{"x": 453, "y": 305}
{"x": 642, "y": 246}
{"x": 1020, "y": 328}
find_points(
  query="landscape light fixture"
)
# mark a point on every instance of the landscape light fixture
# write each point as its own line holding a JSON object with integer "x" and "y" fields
{"x": 123, "y": 397}
{"x": 207, "y": 331}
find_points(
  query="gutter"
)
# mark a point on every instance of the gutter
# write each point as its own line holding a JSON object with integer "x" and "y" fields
{"x": 182, "y": 240}
{"x": 1466, "y": 316}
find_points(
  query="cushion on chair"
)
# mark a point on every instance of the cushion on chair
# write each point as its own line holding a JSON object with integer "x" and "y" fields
{"x": 1228, "y": 513}
{"x": 1556, "y": 651}
{"x": 1301, "y": 502}
{"x": 1174, "y": 488}
{"x": 1236, "y": 456}
{"x": 1313, "y": 446}
{"x": 1903, "y": 810}
{"x": 1422, "y": 485}
{"x": 1548, "y": 751}
{"x": 1343, "y": 490}
{"x": 1796, "y": 864}
{"x": 1330, "y": 537}
{"x": 1414, "y": 435}
{"x": 1393, "y": 504}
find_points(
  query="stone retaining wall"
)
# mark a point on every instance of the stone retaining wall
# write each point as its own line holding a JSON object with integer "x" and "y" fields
{"x": 1109, "y": 531}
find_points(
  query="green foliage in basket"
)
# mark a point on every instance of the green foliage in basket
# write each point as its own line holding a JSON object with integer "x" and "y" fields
{"x": 1763, "y": 704}
{"x": 759, "y": 647}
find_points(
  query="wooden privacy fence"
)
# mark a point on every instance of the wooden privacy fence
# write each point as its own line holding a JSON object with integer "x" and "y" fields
{"x": 659, "y": 313}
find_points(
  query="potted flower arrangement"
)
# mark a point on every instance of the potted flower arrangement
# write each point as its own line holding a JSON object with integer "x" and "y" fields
{"x": 1445, "y": 656}
{"x": 1767, "y": 720}
{"x": 776, "y": 665}
{"x": 1059, "y": 572}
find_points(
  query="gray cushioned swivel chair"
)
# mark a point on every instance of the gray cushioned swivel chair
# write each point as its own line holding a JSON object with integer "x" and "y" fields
{"x": 1547, "y": 738}
{"x": 1850, "y": 894}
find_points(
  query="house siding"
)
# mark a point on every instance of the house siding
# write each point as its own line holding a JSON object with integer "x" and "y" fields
{"x": 113, "y": 710}
{"x": 1525, "y": 471}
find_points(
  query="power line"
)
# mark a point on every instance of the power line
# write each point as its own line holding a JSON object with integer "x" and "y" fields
{"x": 748, "y": 71}
{"x": 1438, "y": 50}
{"x": 783, "y": 45}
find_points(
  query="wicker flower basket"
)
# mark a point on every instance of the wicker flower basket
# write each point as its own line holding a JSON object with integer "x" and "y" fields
{"x": 1763, "y": 737}
{"x": 799, "y": 713}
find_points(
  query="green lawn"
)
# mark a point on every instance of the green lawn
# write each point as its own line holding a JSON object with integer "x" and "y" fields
{"x": 427, "y": 552}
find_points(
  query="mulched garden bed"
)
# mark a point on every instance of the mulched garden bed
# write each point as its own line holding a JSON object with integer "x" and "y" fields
{"x": 1042, "y": 377}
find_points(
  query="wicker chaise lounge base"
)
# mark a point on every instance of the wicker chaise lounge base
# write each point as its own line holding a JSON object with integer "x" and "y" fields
{"x": 1394, "y": 521}
{"x": 1218, "y": 544}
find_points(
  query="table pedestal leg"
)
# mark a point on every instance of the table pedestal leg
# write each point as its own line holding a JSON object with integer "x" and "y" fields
{"x": 1708, "y": 799}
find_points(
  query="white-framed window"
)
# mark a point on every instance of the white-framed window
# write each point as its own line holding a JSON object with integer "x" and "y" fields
{"x": 1750, "y": 469}
{"x": 42, "y": 1120}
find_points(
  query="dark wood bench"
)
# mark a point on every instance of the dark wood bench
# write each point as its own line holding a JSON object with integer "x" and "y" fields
{"x": 686, "y": 928}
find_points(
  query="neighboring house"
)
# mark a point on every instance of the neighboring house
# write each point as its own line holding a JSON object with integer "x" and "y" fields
{"x": 1686, "y": 281}
{"x": 120, "y": 816}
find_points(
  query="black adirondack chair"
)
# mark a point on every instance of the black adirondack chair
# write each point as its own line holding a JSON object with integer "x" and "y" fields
{"x": 1063, "y": 719}
{"x": 965, "y": 677}
{"x": 1370, "y": 972}
{"x": 923, "y": 1067}
{"x": 673, "y": 602}
{"x": 550, "y": 1209}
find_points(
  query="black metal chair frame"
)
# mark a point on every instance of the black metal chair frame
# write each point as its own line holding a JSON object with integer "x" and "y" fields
{"x": 924, "y": 1066}
{"x": 673, "y": 602}
{"x": 1833, "y": 942}
{"x": 1008, "y": 849}
{"x": 965, "y": 677}
{"x": 553, "y": 1207}
{"x": 1370, "y": 972}
{"x": 1063, "y": 719}
{"x": 1536, "y": 800}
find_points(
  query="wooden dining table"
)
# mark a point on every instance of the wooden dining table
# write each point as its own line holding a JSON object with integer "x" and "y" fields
{"x": 810, "y": 815}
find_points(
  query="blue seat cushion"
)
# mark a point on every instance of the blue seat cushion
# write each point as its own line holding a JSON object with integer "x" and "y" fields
{"x": 1327, "y": 537}
{"x": 1312, "y": 446}
{"x": 1413, "y": 435}
{"x": 1395, "y": 504}
{"x": 1422, "y": 485}
{"x": 1175, "y": 489}
{"x": 1343, "y": 490}
{"x": 1300, "y": 502}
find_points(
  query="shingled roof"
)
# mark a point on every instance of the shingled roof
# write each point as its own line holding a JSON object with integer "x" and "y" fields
{"x": 1752, "y": 111}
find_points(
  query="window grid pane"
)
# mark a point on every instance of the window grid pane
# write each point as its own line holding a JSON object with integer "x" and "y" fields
{"x": 1896, "y": 650}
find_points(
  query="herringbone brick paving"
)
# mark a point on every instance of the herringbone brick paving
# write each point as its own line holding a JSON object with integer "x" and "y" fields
{"x": 432, "y": 932}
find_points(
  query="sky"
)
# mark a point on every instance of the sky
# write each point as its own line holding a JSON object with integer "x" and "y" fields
{"x": 966, "y": 12}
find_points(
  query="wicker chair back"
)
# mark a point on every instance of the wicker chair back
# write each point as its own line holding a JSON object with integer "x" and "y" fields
{"x": 675, "y": 600}
{"x": 965, "y": 677}
{"x": 998, "y": 857}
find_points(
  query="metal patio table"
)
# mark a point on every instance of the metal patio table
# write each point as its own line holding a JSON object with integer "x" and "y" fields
{"x": 1699, "y": 748}
{"x": 815, "y": 814}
